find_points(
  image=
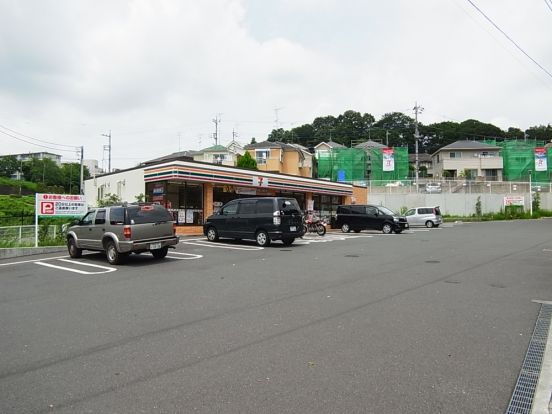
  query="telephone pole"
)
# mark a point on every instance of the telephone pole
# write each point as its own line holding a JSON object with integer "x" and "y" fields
{"x": 108, "y": 147}
{"x": 216, "y": 121}
{"x": 417, "y": 109}
{"x": 81, "y": 189}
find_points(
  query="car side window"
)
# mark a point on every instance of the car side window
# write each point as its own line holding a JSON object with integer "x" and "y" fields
{"x": 100, "y": 217}
{"x": 247, "y": 207}
{"x": 373, "y": 211}
{"x": 230, "y": 209}
{"x": 358, "y": 210}
{"x": 265, "y": 206}
{"x": 116, "y": 215}
{"x": 410, "y": 212}
{"x": 87, "y": 219}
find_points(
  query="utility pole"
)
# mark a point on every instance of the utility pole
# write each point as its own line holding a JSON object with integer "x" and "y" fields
{"x": 216, "y": 122}
{"x": 387, "y": 138}
{"x": 108, "y": 147}
{"x": 417, "y": 109}
{"x": 81, "y": 189}
{"x": 277, "y": 119}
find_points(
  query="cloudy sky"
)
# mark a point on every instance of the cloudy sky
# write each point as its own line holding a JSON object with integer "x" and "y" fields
{"x": 157, "y": 72}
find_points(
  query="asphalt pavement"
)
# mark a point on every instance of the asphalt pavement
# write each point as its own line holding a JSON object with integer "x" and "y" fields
{"x": 428, "y": 321}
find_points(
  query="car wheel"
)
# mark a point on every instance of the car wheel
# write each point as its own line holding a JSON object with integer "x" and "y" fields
{"x": 429, "y": 224}
{"x": 288, "y": 241}
{"x": 262, "y": 238}
{"x": 345, "y": 228}
{"x": 212, "y": 234}
{"x": 387, "y": 228}
{"x": 160, "y": 253}
{"x": 113, "y": 256}
{"x": 74, "y": 251}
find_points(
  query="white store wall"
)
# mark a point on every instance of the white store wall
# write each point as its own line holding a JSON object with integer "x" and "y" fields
{"x": 126, "y": 184}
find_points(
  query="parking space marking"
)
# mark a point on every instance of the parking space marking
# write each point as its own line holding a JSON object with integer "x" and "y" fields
{"x": 83, "y": 272}
{"x": 193, "y": 256}
{"x": 32, "y": 260}
{"x": 222, "y": 245}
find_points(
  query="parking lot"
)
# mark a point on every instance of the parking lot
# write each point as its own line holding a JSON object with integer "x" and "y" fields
{"x": 431, "y": 320}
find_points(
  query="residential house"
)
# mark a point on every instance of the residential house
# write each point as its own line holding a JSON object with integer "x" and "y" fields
{"x": 368, "y": 146}
{"x": 219, "y": 154}
{"x": 33, "y": 155}
{"x": 468, "y": 159}
{"x": 424, "y": 163}
{"x": 283, "y": 158}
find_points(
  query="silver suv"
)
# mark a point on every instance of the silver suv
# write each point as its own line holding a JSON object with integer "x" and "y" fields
{"x": 424, "y": 216}
{"x": 123, "y": 229}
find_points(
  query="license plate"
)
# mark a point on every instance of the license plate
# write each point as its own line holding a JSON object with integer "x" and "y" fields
{"x": 155, "y": 246}
{"x": 292, "y": 228}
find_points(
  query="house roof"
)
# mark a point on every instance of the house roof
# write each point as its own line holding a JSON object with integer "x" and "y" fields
{"x": 181, "y": 155}
{"x": 215, "y": 148}
{"x": 370, "y": 144}
{"x": 422, "y": 157}
{"x": 468, "y": 145}
{"x": 330, "y": 144}
{"x": 269, "y": 144}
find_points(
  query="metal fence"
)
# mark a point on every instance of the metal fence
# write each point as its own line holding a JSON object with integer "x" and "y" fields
{"x": 25, "y": 235}
{"x": 458, "y": 187}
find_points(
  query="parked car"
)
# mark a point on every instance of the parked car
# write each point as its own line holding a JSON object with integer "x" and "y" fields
{"x": 433, "y": 188}
{"x": 424, "y": 216}
{"x": 369, "y": 217}
{"x": 123, "y": 229}
{"x": 262, "y": 219}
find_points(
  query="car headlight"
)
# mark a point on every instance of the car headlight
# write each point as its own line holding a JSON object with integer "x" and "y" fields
{"x": 395, "y": 219}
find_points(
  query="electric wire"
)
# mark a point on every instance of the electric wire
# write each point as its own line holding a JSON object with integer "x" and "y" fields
{"x": 510, "y": 39}
{"x": 36, "y": 139}
{"x": 39, "y": 145}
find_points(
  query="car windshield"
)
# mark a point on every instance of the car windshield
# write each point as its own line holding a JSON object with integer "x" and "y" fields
{"x": 385, "y": 210}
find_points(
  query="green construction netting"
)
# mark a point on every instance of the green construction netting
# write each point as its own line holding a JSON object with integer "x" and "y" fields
{"x": 342, "y": 164}
{"x": 519, "y": 158}
{"x": 400, "y": 172}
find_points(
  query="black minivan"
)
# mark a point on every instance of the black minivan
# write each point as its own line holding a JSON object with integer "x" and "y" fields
{"x": 368, "y": 217}
{"x": 262, "y": 219}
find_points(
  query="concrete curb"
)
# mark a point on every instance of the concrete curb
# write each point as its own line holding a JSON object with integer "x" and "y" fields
{"x": 8, "y": 253}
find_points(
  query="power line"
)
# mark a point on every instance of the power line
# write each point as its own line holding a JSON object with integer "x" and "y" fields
{"x": 36, "y": 139}
{"x": 509, "y": 38}
{"x": 39, "y": 145}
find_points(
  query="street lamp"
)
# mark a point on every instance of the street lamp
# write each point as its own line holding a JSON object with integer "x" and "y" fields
{"x": 530, "y": 195}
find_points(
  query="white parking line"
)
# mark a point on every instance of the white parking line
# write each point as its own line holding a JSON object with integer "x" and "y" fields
{"x": 193, "y": 256}
{"x": 33, "y": 260}
{"x": 223, "y": 245}
{"x": 83, "y": 272}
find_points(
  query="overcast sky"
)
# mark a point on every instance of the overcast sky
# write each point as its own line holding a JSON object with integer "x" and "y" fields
{"x": 157, "y": 72}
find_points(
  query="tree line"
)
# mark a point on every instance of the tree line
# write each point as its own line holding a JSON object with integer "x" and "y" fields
{"x": 396, "y": 129}
{"x": 46, "y": 172}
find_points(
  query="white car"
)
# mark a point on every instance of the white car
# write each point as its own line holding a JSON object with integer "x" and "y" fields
{"x": 424, "y": 216}
{"x": 433, "y": 188}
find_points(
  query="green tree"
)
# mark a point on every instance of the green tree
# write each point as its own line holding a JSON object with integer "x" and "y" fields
{"x": 253, "y": 141}
{"x": 540, "y": 133}
{"x": 8, "y": 166}
{"x": 514, "y": 133}
{"x": 247, "y": 161}
{"x": 71, "y": 177}
{"x": 109, "y": 200}
{"x": 43, "y": 171}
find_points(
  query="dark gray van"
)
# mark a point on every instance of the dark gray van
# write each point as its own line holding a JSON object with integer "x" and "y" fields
{"x": 262, "y": 219}
{"x": 368, "y": 217}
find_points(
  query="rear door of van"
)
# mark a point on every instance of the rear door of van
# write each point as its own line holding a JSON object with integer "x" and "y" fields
{"x": 291, "y": 215}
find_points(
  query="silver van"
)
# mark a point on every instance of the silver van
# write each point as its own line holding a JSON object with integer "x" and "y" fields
{"x": 424, "y": 216}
